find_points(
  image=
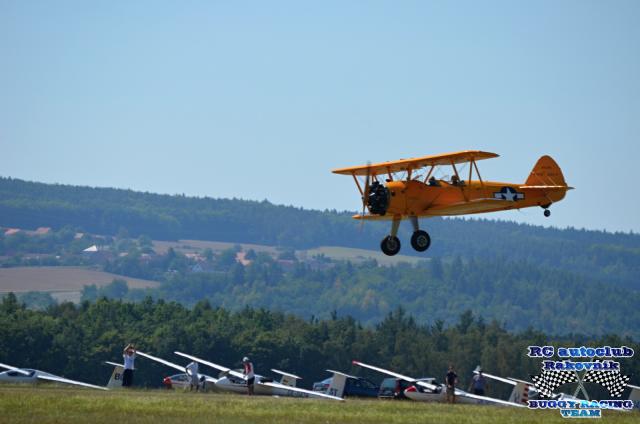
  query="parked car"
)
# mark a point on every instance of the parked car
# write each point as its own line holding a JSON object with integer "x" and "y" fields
{"x": 360, "y": 387}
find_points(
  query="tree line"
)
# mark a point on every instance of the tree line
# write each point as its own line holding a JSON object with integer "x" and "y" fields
{"x": 74, "y": 341}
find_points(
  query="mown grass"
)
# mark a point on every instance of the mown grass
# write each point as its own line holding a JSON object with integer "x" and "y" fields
{"x": 47, "y": 404}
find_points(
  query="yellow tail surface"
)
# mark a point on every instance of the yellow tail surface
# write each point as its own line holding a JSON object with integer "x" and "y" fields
{"x": 546, "y": 172}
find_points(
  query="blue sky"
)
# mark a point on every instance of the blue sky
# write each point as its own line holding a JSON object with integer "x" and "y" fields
{"x": 262, "y": 99}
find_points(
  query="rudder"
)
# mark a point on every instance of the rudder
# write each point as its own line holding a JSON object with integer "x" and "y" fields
{"x": 546, "y": 172}
{"x": 116, "y": 376}
{"x": 338, "y": 383}
{"x": 520, "y": 393}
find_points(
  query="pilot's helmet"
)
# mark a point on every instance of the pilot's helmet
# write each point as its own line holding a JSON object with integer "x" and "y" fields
{"x": 245, "y": 359}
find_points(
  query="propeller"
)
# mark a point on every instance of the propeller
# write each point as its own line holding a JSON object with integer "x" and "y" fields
{"x": 365, "y": 195}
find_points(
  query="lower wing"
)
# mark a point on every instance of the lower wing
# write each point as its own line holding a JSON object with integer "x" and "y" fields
{"x": 300, "y": 390}
{"x": 67, "y": 381}
{"x": 460, "y": 393}
{"x": 18, "y": 370}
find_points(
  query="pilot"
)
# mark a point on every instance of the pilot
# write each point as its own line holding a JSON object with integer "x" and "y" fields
{"x": 192, "y": 372}
{"x": 455, "y": 180}
{"x": 248, "y": 375}
{"x": 129, "y": 356}
{"x": 478, "y": 383}
{"x": 451, "y": 379}
{"x": 433, "y": 182}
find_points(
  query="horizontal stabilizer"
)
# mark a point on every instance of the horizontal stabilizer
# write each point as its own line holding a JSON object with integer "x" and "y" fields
{"x": 548, "y": 187}
{"x": 341, "y": 373}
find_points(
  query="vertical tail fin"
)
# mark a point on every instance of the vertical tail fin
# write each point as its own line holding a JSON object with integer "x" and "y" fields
{"x": 520, "y": 393}
{"x": 116, "y": 376}
{"x": 287, "y": 379}
{"x": 546, "y": 172}
{"x": 338, "y": 383}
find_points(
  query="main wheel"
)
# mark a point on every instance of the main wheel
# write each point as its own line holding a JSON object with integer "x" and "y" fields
{"x": 420, "y": 240}
{"x": 547, "y": 213}
{"x": 390, "y": 245}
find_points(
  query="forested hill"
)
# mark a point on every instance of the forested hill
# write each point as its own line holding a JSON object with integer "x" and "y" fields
{"x": 610, "y": 258}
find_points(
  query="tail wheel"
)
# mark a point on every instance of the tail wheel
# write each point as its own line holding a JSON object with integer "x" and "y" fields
{"x": 547, "y": 213}
{"x": 420, "y": 240}
{"x": 390, "y": 245}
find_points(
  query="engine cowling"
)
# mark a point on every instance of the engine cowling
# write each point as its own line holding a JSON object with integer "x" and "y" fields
{"x": 379, "y": 197}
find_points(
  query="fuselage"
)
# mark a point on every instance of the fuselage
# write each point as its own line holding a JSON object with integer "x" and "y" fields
{"x": 415, "y": 198}
{"x": 16, "y": 377}
{"x": 238, "y": 385}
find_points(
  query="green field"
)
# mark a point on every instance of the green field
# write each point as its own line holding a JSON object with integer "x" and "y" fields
{"x": 50, "y": 404}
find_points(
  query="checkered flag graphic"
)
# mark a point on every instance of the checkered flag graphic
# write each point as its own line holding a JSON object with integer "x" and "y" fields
{"x": 549, "y": 380}
{"x": 613, "y": 381}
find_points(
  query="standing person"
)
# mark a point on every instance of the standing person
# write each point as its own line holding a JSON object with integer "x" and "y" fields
{"x": 248, "y": 375}
{"x": 478, "y": 383}
{"x": 451, "y": 379}
{"x": 192, "y": 373}
{"x": 129, "y": 356}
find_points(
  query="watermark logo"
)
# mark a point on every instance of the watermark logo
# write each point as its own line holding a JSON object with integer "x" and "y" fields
{"x": 555, "y": 374}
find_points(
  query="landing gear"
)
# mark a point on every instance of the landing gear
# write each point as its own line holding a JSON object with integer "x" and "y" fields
{"x": 420, "y": 240}
{"x": 547, "y": 213}
{"x": 390, "y": 245}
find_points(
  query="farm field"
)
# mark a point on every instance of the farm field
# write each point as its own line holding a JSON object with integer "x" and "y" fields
{"x": 42, "y": 405}
{"x": 63, "y": 282}
{"x": 332, "y": 252}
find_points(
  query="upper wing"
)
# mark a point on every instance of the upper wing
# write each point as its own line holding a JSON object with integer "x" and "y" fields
{"x": 172, "y": 365}
{"x": 487, "y": 399}
{"x": 286, "y": 374}
{"x": 498, "y": 378}
{"x": 300, "y": 390}
{"x": 57, "y": 379}
{"x": 510, "y": 380}
{"x": 415, "y": 163}
{"x": 212, "y": 365}
{"x": 9, "y": 367}
{"x": 400, "y": 376}
{"x": 162, "y": 361}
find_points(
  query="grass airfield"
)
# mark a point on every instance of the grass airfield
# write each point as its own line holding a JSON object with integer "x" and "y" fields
{"x": 52, "y": 404}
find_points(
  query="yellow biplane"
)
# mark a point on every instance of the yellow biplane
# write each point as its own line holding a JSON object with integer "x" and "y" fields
{"x": 408, "y": 188}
